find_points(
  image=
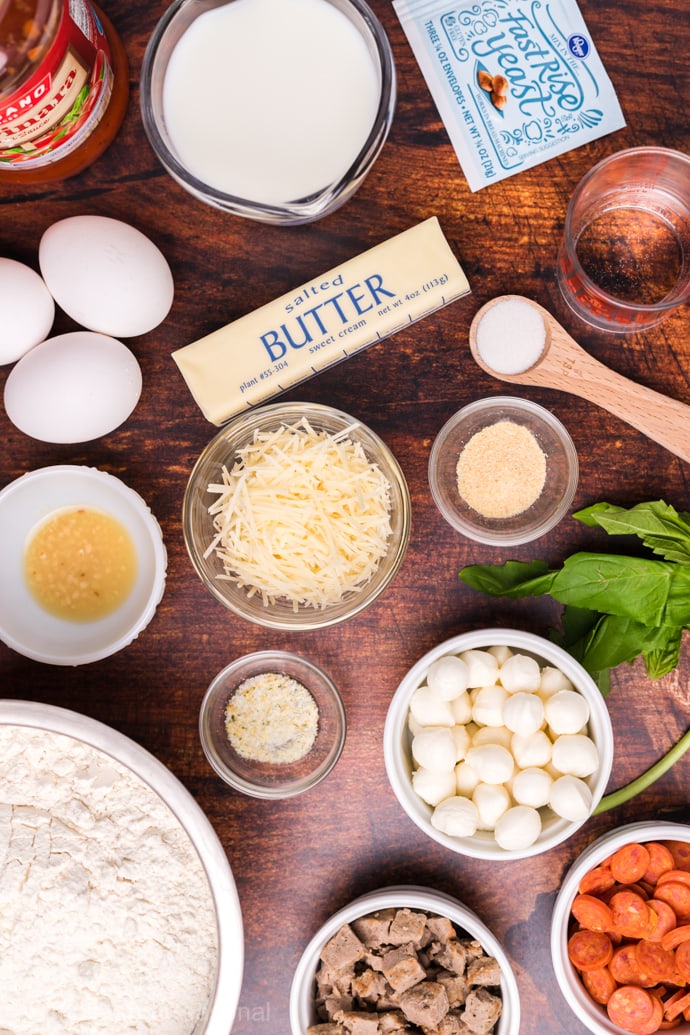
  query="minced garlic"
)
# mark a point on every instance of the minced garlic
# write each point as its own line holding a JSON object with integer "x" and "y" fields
{"x": 501, "y": 470}
{"x": 271, "y": 718}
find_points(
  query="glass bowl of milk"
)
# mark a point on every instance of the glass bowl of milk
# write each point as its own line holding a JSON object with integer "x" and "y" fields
{"x": 268, "y": 109}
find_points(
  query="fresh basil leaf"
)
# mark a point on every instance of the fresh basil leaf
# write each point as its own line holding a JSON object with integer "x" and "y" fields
{"x": 660, "y": 526}
{"x": 632, "y": 587}
{"x": 513, "y": 579}
{"x": 663, "y": 659}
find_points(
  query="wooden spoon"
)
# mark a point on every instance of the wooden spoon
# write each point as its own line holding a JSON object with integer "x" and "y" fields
{"x": 564, "y": 365}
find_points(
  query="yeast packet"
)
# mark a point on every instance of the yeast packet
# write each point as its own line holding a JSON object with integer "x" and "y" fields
{"x": 515, "y": 82}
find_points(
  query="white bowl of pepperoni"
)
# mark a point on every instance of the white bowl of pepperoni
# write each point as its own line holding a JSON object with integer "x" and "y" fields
{"x": 620, "y": 935}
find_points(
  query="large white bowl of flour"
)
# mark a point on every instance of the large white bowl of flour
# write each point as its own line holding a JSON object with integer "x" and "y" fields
{"x": 119, "y": 911}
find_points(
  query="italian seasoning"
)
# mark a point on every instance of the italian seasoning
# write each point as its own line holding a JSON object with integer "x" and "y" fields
{"x": 501, "y": 471}
{"x": 271, "y": 718}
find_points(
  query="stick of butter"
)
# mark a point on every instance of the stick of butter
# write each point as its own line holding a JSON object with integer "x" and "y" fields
{"x": 322, "y": 322}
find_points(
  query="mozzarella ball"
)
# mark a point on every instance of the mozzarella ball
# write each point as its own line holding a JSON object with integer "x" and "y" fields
{"x": 461, "y": 739}
{"x": 492, "y": 735}
{"x": 434, "y": 748}
{"x": 413, "y": 726}
{"x": 571, "y": 798}
{"x": 433, "y": 787}
{"x": 518, "y": 828}
{"x": 482, "y": 667}
{"x": 466, "y": 779}
{"x": 551, "y": 680}
{"x": 575, "y": 754}
{"x": 501, "y": 652}
{"x": 429, "y": 709}
{"x": 492, "y": 801}
{"x": 523, "y": 713}
{"x": 487, "y": 705}
{"x": 491, "y": 762}
{"x": 566, "y": 711}
{"x": 447, "y": 676}
{"x": 456, "y": 816}
{"x": 532, "y": 787}
{"x": 520, "y": 672}
{"x": 533, "y": 750}
{"x": 461, "y": 707}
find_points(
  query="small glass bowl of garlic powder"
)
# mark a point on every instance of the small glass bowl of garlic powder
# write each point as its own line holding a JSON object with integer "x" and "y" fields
{"x": 503, "y": 471}
{"x": 272, "y": 724}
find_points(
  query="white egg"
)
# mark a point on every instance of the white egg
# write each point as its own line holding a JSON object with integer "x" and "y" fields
{"x": 73, "y": 388}
{"x": 518, "y": 828}
{"x": 520, "y": 672}
{"x": 523, "y": 713}
{"x": 433, "y": 787}
{"x": 571, "y": 798}
{"x": 448, "y": 676}
{"x": 492, "y": 800}
{"x": 482, "y": 667}
{"x": 532, "y": 786}
{"x": 434, "y": 748}
{"x": 27, "y": 308}
{"x": 455, "y": 816}
{"x": 566, "y": 711}
{"x": 492, "y": 763}
{"x": 107, "y": 275}
{"x": 575, "y": 754}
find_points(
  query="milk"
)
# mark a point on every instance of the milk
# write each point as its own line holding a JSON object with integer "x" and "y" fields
{"x": 271, "y": 100}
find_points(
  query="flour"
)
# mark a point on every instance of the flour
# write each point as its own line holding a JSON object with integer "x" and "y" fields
{"x": 107, "y": 925}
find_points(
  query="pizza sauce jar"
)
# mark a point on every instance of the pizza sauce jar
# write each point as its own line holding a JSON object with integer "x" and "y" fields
{"x": 64, "y": 86}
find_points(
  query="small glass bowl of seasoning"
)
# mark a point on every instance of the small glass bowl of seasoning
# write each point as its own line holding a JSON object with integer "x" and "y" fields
{"x": 503, "y": 471}
{"x": 272, "y": 724}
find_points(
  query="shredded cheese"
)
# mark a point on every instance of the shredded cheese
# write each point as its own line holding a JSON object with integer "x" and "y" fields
{"x": 302, "y": 515}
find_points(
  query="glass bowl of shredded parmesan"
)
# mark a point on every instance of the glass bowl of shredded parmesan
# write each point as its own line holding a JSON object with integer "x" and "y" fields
{"x": 272, "y": 724}
{"x": 296, "y": 516}
{"x": 503, "y": 471}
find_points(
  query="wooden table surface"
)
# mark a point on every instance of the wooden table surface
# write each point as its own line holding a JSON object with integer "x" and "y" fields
{"x": 295, "y": 862}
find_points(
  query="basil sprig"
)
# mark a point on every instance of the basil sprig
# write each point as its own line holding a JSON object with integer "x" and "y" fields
{"x": 616, "y": 606}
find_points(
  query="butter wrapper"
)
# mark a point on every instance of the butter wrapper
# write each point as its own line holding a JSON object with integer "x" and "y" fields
{"x": 515, "y": 82}
{"x": 323, "y": 322}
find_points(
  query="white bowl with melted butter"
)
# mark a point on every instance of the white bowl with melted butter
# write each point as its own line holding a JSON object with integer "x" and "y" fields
{"x": 83, "y": 562}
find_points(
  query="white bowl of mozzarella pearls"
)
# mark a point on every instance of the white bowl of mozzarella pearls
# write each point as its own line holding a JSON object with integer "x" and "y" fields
{"x": 498, "y": 744}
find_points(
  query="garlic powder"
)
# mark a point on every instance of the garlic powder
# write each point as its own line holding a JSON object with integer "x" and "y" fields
{"x": 501, "y": 471}
{"x": 271, "y": 718}
{"x": 107, "y": 922}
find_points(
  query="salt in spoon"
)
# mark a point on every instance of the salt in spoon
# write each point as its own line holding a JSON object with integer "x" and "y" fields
{"x": 564, "y": 365}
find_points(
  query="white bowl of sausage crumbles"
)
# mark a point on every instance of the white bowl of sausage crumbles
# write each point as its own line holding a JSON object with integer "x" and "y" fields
{"x": 120, "y": 911}
{"x": 296, "y": 516}
{"x": 620, "y": 935}
{"x": 409, "y": 959}
{"x": 498, "y": 744}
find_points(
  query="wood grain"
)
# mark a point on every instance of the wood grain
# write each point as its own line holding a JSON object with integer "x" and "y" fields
{"x": 297, "y": 861}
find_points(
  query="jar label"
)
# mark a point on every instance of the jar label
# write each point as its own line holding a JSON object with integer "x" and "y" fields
{"x": 60, "y": 104}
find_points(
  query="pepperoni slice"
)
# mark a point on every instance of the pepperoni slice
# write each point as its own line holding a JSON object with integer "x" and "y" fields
{"x": 680, "y": 850}
{"x": 589, "y": 950}
{"x": 625, "y": 967}
{"x": 662, "y": 919}
{"x": 633, "y": 1009}
{"x": 591, "y": 913}
{"x": 630, "y": 863}
{"x": 655, "y": 960}
{"x": 676, "y": 936}
{"x": 681, "y": 876}
{"x": 677, "y": 895}
{"x": 597, "y": 881}
{"x": 660, "y": 860}
{"x": 682, "y": 960}
{"x": 600, "y": 983}
{"x": 630, "y": 914}
{"x": 677, "y": 1004}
